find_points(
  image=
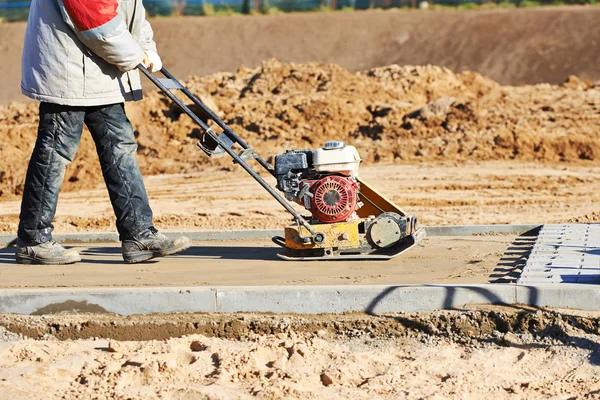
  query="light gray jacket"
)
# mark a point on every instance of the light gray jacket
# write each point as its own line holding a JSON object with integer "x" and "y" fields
{"x": 84, "y": 53}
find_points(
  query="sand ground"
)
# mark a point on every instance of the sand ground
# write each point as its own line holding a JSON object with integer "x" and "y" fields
{"x": 438, "y": 194}
{"x": 502, "y": 353}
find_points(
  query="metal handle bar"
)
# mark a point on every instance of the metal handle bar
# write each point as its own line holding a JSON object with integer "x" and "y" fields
{"x": 232, "y": 135}
{"x": 238, "y": 159}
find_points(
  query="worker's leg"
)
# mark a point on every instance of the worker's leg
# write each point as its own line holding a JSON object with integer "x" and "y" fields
{"x": 59, "y": 133}
{"x": 58, "y": 139}
{"x": 116, "y": 147}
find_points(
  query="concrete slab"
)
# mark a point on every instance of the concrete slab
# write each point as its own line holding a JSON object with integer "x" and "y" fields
{"x": 438, "y": 260}
{"x": 294, "y": 299}
{"x": 372, "y": 299}
{"x": 578, "y": 296}
{"x": 300, "y": 299}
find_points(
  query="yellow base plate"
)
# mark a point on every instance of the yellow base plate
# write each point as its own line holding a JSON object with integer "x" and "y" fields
{"x": 340, "y": 235}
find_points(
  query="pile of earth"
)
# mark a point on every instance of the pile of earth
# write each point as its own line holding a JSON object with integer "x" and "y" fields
{"x": 391, "y": 114}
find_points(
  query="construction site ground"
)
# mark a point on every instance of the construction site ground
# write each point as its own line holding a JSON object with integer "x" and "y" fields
{"x": 495, "y": 192}
{"x": 476, "y": 193}
{"x": 451, "y": 147}
{"x": 513, "y": 46}
{"x": 491, "y": 351}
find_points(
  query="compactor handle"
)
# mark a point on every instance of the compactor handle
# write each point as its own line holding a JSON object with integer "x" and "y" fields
{"x": 165, "y": 85}
{"x": 171, "y": 83}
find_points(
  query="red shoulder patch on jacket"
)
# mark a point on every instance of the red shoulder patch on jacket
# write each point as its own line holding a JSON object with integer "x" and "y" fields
{"x": 88, "y": 15}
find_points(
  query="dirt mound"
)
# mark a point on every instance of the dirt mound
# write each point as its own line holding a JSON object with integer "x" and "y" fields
{"x": 593, "y": 216}
{"x": 391, "y": 114}
{"x": 484, "y": 323}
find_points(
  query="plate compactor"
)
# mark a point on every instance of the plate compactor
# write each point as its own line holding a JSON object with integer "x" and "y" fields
{"x": 348, "y": 218}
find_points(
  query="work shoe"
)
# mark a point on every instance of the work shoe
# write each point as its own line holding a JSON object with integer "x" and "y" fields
{"x": 49, "y": 253}
{"x": 149, "y": 244}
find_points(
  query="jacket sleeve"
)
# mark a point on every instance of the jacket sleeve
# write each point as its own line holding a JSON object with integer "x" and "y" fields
{"x": 103, "y": 30}
{"x": 146, "y": 34}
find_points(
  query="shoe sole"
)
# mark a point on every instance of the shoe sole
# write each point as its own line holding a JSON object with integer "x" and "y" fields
{"x": 145, "y": 255}
{"x": 22, "y": 259}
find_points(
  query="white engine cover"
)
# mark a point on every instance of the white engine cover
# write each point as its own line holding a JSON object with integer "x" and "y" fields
{"x": 337, "y": 158}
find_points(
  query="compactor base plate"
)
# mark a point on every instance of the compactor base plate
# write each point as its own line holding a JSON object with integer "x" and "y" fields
{"x": 361, "y": 253}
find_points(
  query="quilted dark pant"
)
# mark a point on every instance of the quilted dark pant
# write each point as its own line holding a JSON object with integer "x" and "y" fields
{"x": 59, "y": 134}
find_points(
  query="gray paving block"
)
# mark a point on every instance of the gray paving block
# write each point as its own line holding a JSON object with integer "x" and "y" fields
{"x": 109, "y": 237}
{"x": 564, "y": 253}
{"x": 298, "y": 299}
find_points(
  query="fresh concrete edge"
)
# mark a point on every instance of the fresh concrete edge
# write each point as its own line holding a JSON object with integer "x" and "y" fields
{"x": 108, "y": 237}
{"x": 294, "y": 299}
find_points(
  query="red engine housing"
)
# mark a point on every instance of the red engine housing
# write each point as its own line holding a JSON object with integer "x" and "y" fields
{"x": 333, "y": 198}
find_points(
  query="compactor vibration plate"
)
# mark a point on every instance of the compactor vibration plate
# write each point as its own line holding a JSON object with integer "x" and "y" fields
{"x": 340, "y": 234}
{"x": 365, "y": 252}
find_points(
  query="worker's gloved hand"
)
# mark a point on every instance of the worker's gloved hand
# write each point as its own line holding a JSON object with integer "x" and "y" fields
{"x": 152, "y": 61}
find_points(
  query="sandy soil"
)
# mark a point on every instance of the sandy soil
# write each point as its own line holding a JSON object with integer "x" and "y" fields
{"x": 490, "y": 352}
{"x": 521, "y": 46}
{"x": 475, "y": 193}
{"x": 428, "y": 137}
{"x": 392, "y": 114}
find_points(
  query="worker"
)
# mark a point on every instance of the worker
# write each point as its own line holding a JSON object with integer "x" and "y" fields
{"x": 79, "y": 61}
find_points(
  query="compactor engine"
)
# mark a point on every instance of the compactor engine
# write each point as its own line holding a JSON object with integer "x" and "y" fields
{"x": 355, "y": 219}
{"x": 323, "y": 181}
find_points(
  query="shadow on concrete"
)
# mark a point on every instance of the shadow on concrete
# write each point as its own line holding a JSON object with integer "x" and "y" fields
{"x": 592, "y": 279}
{"x": 450, "y": 302}
{"x": 594, "y": 251}
{"x": 101, "y": 250}
{"x": 106, "y": 255}
{"x": 7, "y": 255}
{"x": 510, "y": 266}
{"x": 220, "y": 252}
{"x": 233, "y": 252}
{"x": 529, "y": 305}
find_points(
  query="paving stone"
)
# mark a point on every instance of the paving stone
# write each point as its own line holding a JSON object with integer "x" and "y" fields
{"x": 564, "y": 253}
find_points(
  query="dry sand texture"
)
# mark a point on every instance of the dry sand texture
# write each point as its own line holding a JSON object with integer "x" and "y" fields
{"x": 392, "y": 114}
{"x": 490, "y": 352}
{"x": 474, "y": 193}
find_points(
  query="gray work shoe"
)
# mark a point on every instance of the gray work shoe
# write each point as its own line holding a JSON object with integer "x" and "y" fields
{"x": 49, "y": 253}
{"x": 149, "y": 244}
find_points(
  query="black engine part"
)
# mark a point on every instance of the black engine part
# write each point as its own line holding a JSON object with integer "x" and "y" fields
{"x": 290, "y": 168}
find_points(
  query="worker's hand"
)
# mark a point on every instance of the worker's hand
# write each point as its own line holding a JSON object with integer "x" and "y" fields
{"x": 152, "y": 61}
